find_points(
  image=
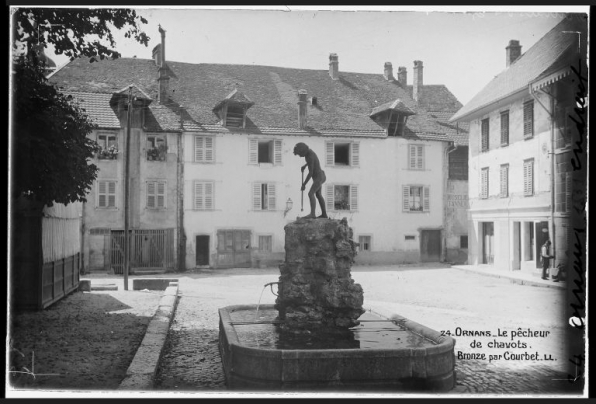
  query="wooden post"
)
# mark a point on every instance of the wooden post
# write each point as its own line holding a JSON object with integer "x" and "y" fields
{"x": 126, "y": 187}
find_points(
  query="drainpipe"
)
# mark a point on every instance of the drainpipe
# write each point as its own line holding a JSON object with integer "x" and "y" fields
{"x": 446, "y": 179}
{"x": 551, "y": 226}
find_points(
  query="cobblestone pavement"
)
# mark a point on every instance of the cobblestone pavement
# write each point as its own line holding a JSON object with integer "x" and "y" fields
{"x": 443, "y": 299}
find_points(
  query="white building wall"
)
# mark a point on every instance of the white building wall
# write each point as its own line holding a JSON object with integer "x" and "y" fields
{"x": 506, "y": 211}
{"x": 380, "y": 175}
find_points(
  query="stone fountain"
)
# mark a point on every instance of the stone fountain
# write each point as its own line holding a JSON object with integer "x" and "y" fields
{"x": 317, "y": 336}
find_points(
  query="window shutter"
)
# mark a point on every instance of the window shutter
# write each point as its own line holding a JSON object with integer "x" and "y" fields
{"x": 199, "y": 148}
{"x": 209, "y": 149}
{"x": 355, "y": 154}
{"x": 531, "y": 177}
{"x": 271, "y": 196}
{"x": 484, "y": 183}
{"x": 256, "y": 196}
{"x": 277, "y": 152}
{"x": 198, "y": 196}
{"x": 111, "y": 194}
{"x": 412, "y": 157}
{"x": 330, "y": 149}
{"x": 529, "y": 119}
{"x": 253, "y": 151}
{"x": 353, "y": 197}
{"x": 101, "y": 194}
{"x": 330, "y": 197}
{"x": 151, "y": 194}
{"x": 161, "y": 194}
{"x": 420, "y": 158}
{"x": 406, "y": 198}
{"x": 426, "y": 203}
{"x": 208, "y": 192}
{"x": 504, "y": 180}
{"x": 101, "y": 191}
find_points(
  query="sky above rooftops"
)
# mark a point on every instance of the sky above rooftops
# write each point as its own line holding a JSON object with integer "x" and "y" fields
{"x": 462, "y": 47}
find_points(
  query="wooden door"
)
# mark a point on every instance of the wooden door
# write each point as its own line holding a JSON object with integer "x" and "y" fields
{"x": 233, "y": 249}
{"x": 202, "y": 250}
{"x": 430, "y": 245}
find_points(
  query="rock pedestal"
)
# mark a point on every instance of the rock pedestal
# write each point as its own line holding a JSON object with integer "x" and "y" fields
{"x": 316, "y": 290}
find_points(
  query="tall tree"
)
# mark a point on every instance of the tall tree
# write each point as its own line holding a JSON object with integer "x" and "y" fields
{"x": 51, "y": 151}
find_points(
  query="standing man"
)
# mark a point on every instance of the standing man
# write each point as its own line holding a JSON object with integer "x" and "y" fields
{"x": 318, "y": 178}
{"x": 545, "y": 255}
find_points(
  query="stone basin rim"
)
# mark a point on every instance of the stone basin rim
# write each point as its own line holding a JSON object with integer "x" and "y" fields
{"x": 443, "y": 343}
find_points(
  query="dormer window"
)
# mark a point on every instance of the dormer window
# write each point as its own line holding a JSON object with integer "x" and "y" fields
{"x": 232, "y": 110}
{"x": 392, "y": 116}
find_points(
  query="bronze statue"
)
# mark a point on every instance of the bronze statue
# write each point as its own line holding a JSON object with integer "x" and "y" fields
{"x": 318, "y": 179}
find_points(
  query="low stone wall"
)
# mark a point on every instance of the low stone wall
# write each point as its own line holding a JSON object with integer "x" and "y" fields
{"x": 152, "y": 283}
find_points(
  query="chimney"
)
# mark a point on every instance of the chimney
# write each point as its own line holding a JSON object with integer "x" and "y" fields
{"x": 302, "y": 108}
{"x": 164, "y": 83}
{"x": 417, "y": 82}
{"x": 333, "y": 66}
{"x": 159, "y": 55}
{"x": 156, "y": 54}
{"x": 402, "y": 76}
{"x": 162, "y": 59}
{"x": 513, "y": 52}
{"x": 388, "y": 71}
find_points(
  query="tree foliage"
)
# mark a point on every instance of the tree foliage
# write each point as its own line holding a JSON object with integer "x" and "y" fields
{"x": 51, "y": 147}
{"x": 51, "y": 150}
{"x": 77, "y": 32}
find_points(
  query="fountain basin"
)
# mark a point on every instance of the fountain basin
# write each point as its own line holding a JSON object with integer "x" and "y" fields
{"x": 425, "y": 364}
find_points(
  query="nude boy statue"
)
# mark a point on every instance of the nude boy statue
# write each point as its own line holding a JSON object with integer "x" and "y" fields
{"x": 318, "y": 178}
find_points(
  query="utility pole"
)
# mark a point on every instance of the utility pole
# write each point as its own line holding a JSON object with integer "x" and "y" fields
{"x": 126, "y": 188}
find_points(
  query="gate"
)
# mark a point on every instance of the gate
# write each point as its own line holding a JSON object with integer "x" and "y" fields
{"x": 149, "y": 249}
{"x": 233, "y": 249}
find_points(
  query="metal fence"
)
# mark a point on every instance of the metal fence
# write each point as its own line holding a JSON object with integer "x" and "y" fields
{"x": 149, "y": 249}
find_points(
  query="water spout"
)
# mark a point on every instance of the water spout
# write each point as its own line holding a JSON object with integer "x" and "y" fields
{"x": 270, "y": 284}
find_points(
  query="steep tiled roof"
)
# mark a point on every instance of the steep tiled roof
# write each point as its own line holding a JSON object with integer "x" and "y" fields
{"x": 98, "y": 109}
{"x": 343, "y": 104}
{"x": 396, "y": 105}
{"x": 437, "y": 98}
{"x": 529, "y": 66}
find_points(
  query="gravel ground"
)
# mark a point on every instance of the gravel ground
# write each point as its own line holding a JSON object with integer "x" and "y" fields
{"x": 440, "y": 298}
{"x": 85, "y": 341}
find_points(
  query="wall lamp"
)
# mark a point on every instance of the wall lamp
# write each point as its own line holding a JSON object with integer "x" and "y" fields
{"x": 289, "y": 205}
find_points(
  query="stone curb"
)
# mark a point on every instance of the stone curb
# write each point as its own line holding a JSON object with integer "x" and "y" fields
{"x": 529, "y": 282}
{"x": 143, "y": 368}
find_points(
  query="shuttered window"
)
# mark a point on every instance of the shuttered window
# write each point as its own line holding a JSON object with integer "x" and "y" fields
{"x": 341, "y": 197}
{"x": 484, "y": 183}
{"x": 415, "y": 198}
{"x": 529, "y": 119}
{"x": 264, "y": 151}
{"x": 342, "y": 154}
{"x": 263, "y": 196}
{"x": 204, "y": 198}
{"x": 415, "y": 157}
{"x": 504, "y": 128}
{"x": 106, "y": 193}
{"x": 484, "y": 135}
{"x": 504, "y": 181}
{"x": 265, "y": 243}
{"x": 156, "y": 194}
{"x": 204, "y": 149}
{"x": 529, "y": 177}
